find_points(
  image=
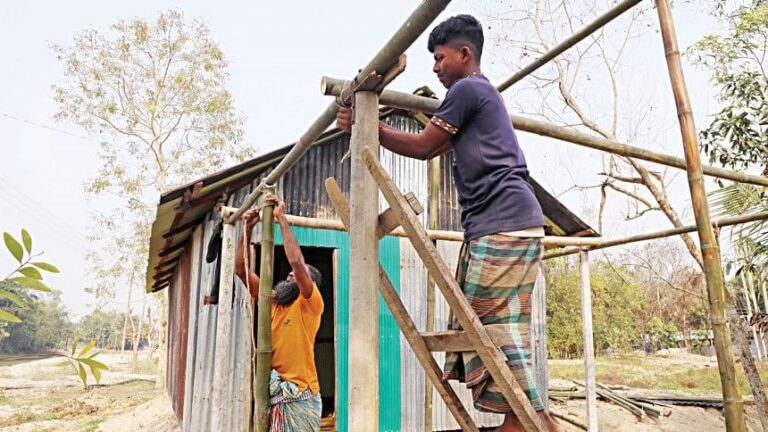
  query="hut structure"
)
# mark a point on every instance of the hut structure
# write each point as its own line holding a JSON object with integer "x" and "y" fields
{"x": 180, "y": 240}
{"x": 386, "y": 392}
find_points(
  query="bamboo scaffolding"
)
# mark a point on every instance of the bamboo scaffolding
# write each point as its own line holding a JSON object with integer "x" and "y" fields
{"x": 334, "y": 86}
{"x": 264, "y": 320}
{"x": 710, "y": 250}
{"x": 336, "y": 225}
{"x": 387, "y": 56}
{"x": 577, "y": 37}
{"x": 727, "y": 221}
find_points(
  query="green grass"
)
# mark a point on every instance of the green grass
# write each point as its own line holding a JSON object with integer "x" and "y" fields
{"x": 93, "y": 425}
{"x": 144, "y": 366}
{"x": 648, "y": 373}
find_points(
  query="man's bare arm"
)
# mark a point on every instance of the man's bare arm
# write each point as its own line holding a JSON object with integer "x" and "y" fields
{"x": 292, "y": 250}
{"x": 250, "y": 219}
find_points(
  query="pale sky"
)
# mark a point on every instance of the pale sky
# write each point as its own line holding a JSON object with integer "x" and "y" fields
{"x": 278, "y": 51}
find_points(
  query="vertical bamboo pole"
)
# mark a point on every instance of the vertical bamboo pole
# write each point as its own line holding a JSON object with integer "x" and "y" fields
{"x": 264, "y": 320}
{"x": 710, "y": 251}
{"x": 589, "y": 346}
{"x": 539, "y": 337}
{"x": 222, "y": 368}
{"x": 364, "y": 271}
{"x": 433, "y": 221}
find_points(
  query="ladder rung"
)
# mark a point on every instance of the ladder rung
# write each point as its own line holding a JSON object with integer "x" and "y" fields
{"x": 456, "y": 341}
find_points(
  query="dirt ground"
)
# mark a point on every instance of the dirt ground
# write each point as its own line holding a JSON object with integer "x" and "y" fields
{"x": 39, "y": 395}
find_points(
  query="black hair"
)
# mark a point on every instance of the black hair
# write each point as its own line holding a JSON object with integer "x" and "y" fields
{"x": 315, "y": 274}
{"x": 459, "y": 27}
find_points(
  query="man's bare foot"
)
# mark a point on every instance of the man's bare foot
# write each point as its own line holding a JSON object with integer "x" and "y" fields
{"x": 512, "y": 424}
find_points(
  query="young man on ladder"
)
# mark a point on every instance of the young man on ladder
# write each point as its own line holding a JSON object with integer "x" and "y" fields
{"x": 502, "y": 220}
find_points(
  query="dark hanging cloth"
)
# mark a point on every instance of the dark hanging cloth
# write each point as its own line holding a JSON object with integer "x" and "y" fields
{"x": 214, "y": 254}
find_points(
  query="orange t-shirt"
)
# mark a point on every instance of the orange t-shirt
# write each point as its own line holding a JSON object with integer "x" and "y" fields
{"x": 294, "y": 328}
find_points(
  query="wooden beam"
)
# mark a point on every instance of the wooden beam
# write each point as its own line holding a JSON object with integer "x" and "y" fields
{"x": 457, "y": 341}
{"x": 431, "y": 369}
{"x": 363, "y": 372}
{"x": 184, "y": 227}
{"x": 589, "y": 345}
{"x": 169, "y": 250}
{"x": 167, "y": 262}
{"x": 433, "y": 222}
{"x": 710, "y": 249}
{"x": 222, "y": 368}
{"x": 494, "y": 361}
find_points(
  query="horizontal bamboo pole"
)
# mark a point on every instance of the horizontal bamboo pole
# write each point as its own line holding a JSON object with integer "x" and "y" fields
{"x": 727, "y": 221}
{"x": 336, "y": 225}
{"x": 577, "y": 37}
{"x": 403, "y": 38}
{"x": 411, "y": 102}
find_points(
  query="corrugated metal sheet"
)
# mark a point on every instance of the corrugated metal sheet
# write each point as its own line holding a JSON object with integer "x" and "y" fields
{"x": 200, "y": 415}
{"x": 195, "y": 298}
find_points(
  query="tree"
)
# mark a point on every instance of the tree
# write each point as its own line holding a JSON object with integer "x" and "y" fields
{"x": 44, "y": 324}
{"x": 155, "y": 91}
{"x": 617, "y": 303}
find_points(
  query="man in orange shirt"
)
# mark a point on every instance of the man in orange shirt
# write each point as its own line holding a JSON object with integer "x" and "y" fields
{"x": 296, "y": 309}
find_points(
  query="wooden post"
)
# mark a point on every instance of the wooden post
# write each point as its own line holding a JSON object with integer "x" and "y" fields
{"x": 589, "y": 345}
{"x": 364, "y": 271}
{"x": 539, "y": 337}
{"x": 222, "y": 368}
{"x": 433, "y": 222}
{"x": 264, "y": 320}
{"x": 710, "y": 251}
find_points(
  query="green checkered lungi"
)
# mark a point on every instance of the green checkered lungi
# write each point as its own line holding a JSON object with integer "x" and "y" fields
{"x": 497, "y": 274}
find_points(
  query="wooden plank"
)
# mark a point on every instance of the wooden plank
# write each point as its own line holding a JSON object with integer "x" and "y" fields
{"x": 589, "y": 346}
{"x": 457, "y": 341}
{"x": 407, "y": 326}
{"x": 493, "y": 359}
{"x": 363, "y": 375}
{"x": 388, "y": 221}
{"x": 222, "y": 370}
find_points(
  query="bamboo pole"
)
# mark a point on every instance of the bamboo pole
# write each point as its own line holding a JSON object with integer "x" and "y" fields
{"x": 424, "y": 14}
{"x": 727, "y": 221}
{"x": 589, "y": 345}
{"x": 264, "y": 319}
{"x": 577, "y": 37}
{"x": 710, "y": 251}
{"x": 222, "y": 368}
{"x": 456, "y": 236}
{"x": 433, "y": 221}
{"x": 411, "y": 102}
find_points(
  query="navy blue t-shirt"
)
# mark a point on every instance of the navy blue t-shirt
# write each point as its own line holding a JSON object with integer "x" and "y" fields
{"x": 488, "y": 165}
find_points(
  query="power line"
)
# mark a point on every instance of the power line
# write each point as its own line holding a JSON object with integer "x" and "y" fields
{"x": 51, "y": 128}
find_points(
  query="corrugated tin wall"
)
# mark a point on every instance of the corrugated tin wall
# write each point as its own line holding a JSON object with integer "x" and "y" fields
{"x": 194, "y": 300}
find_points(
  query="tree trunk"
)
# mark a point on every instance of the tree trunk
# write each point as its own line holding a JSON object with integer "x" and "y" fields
{"x": 127, "y": 313}
{"x": 741, "y": 345}
{"x": 137, "y": 336}
{"x": 162, "y": 343}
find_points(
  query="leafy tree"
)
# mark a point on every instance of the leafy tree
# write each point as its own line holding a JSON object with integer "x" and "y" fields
{"x": 44, "y": 324}
{"x": 617, "y": 301}
{"x": 155, "y": 91}
{"x": 737, "y": 137}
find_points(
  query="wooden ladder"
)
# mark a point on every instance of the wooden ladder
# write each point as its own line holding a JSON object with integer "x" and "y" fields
{"x": 403, "y": 211}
